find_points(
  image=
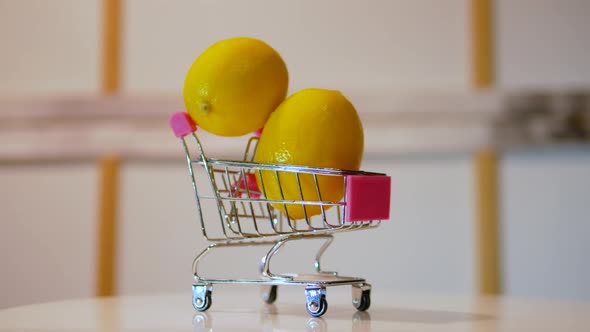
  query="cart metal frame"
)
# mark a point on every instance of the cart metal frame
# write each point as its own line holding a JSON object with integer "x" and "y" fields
{"x": 248, "y": 218}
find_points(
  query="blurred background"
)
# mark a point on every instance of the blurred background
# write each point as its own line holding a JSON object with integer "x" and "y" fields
{"x": 478, "y": 109}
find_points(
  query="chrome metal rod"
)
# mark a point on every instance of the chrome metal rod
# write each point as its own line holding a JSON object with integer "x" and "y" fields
{"x": 265, "y": 262}
{"x": 318, "y": 256}
{"x": 212, "y": 246}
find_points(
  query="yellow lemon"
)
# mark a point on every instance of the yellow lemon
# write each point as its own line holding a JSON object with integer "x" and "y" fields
{"x": 234, "y": 85}
{"x": 313, "y": 127}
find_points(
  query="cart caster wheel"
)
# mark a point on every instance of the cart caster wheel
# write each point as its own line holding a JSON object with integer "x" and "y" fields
{"x": 316, "y": 301}
{"x": 364, "y": 302}
{"x": 317, "y": 309}
{"x": 269, "y": 293}
{"x": 361, "y": 297}
{"x": 202, "y": 297}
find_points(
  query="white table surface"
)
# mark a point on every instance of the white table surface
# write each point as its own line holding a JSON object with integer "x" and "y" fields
{"x": 240, "y": 309}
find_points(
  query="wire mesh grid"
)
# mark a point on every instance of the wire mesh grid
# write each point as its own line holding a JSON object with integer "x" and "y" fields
{"x": 238, "y": 190}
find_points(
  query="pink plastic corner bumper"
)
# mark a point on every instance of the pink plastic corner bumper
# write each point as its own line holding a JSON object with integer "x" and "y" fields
{"x": 249, "y": 182}
{"x": 367, "y": 197}
{"x": 182, "y": 124}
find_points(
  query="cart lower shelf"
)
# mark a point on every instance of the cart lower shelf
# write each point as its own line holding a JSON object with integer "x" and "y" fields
{"x": 315, "y": 290}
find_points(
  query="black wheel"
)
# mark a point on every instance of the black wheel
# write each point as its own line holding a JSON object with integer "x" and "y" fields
{"x": 202, "y": 303}
{"x": 364, "y": 302}
{"x": 317, "y": 309}
{"x": 269, "y": 294}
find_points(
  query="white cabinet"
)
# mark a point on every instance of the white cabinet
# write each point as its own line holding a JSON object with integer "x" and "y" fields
{"x": 158, "y": 231}
{"x": 546, "y": 223}
{"x": 47, "y": 232}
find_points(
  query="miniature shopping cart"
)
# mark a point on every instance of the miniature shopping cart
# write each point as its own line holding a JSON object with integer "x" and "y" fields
{"x": 244, "y": 216}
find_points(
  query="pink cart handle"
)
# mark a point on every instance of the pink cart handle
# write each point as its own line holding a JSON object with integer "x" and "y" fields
{"x": 182, "y": 124}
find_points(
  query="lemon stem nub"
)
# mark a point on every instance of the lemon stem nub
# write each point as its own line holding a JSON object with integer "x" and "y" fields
{"x": 204, "y": 107}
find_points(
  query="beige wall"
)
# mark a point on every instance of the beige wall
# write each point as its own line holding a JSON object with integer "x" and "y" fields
{"x": 367, "y": 48}
{"x": 51, "y": 47}
{"x": 543, "y": 43}
{"x": 344, "y": 44}
{"x": 48, "y": 47}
